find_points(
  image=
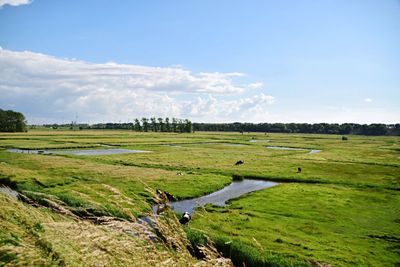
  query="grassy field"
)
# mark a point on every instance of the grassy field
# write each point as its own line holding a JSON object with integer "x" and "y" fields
{"x": 343, "y": 209}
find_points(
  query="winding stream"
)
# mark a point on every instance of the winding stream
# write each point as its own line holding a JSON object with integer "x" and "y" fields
{"x": 312, "y": 151}
{"x": 219, "y": 198}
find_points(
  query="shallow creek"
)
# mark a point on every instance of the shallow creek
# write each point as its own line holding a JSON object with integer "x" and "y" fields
{"x": 220, "y": 197}
{"x": 312, "y": 151}
{"x": 82, "y": 152}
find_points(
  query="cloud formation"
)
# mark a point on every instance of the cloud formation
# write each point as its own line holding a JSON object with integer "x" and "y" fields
{"x": 368, "y": 100}
{"x": 14, "y": 2}
{"x": 54, "y": 88}
{"x": 255, "y": 85}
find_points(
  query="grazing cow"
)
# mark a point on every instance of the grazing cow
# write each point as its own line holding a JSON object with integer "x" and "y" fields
{"x": 239, "y": 162}
{"x": 185, "y": 218}
{"x": 165, "y": 194}
{"x": 298, "y": 169}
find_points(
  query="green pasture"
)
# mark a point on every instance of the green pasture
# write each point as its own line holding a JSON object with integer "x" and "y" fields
{"x": 342, "y": 209}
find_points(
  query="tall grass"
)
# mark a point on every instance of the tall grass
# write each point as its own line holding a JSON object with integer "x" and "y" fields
{"x": 242, "y": 254}
{"x": 32, "y": 236}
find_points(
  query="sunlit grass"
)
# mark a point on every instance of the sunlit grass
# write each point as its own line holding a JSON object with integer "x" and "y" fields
{"x": 341, "y": 210}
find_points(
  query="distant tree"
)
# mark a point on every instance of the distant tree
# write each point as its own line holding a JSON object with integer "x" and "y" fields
{"x": 376, "y": 129}
{"x": 181, "y": 126}
{"x": 188, "y": 126}
{"x": 72, "y": 125}
{"x": 161, "y": 124}
{"x": 345, "y": 128}
{"x": 394, "y": 129}
{"x": 12, "y": 121}
{"x": 174, "y": 124}
{"x": 333, "y": 128}
{"x": 145, "y": 124}
{"x": 153, "y": 124}
{"x": 137, "y": 126}
{"x": 292, "y": 127}
{"x": 167, "y": 125}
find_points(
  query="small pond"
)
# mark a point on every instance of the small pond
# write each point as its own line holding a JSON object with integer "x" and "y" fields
{"x": 219, "y": 198}
{"x": 83, "y": 152}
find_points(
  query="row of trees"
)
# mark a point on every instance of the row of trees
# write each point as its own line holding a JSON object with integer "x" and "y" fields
{"x": 12, "y": 121}
{"x": 163, "y": 125}
{"x": 150, "y": 124}
{"x": 319, "y": 128}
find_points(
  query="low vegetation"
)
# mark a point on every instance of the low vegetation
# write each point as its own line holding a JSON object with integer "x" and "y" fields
{"x": 341, "y": 209}
{"x": 41, "y": 237}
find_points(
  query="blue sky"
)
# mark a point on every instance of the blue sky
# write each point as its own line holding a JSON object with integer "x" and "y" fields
{"x": 209, "y": 61}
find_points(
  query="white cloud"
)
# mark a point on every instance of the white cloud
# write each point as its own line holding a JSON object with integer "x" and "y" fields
{"x": 60, "y": 88}
{"x": 242, "y": 109}
{"x": 255, "y": 85}
{"x": 14, "y": 2}
{"x": 368, "y": 100}
{"x": 34, "y": 69}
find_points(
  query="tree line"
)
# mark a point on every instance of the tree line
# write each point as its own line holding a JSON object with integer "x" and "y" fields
{"x": 174, "y": 125}
{"x": 178, "y": 125}
{"x": 316, "y": 128}
{"x": 12, "y": 121}
{"x": 163, "y": 125}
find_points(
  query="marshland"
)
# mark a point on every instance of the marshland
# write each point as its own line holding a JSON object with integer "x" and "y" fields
{"x": 343, "y": 208}
{"x": 199, "y": 133}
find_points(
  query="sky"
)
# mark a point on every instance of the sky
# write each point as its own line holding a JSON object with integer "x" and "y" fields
{"x": 93, "y": 61}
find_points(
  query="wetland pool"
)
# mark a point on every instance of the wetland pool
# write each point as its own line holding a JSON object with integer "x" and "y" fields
{"x": 82, "y": 152}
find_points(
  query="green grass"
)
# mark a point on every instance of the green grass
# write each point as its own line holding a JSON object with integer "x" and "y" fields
{"x": 329, "y": 224}
{"x": 341, "y": 210}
